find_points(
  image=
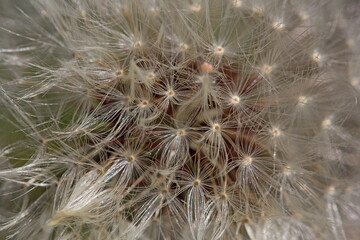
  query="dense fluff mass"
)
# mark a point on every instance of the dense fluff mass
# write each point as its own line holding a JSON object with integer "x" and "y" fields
{"x": 220, "y": 119}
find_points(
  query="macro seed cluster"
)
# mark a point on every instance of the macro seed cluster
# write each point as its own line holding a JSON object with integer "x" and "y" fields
{"x": 219, "y": 119}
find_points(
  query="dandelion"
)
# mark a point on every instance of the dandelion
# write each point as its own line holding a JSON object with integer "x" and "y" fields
{"x": 221, "y": 119}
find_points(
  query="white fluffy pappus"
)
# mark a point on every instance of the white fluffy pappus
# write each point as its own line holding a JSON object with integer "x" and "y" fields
{"x": 195, "y": 119}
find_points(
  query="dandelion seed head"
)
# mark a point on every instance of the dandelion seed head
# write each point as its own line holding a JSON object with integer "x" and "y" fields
{"x": 287, "y": 170}
{"x": 247, "y": 161}
{"x": 83, "y": 13}
{"x": 303, "y": 15}
{"x": 237, "y": 3}
{"x": 181, "y": 132}
{"x": 154, "y": 11}
{"x": 267, "y": 69}
{"x": 302, "y": 100}
{"x": 144, "y": 103}
{"x": 138, "y": 44}
{"x": 131, "y": 158}
{"x": 235, "y": 100}
{"x": 197, "y": 182}
{"x": 316, "y": 56}
{"x": 183, "y": 47}
{"x": 219, "y": 51}
{"x": 258, "y": 10}
{"x": 165, "y": 191}
{"x": 330, "y": 190}
{"x": 170, "y": 93}
{"x": 151, "y": 76}
{"x": 216, "y": 127}
{"x": 326, "y": 123}
{"x": 275, "y": 132}
{"x": 355, "y": 82}
{"x": 43, "y": 12}
{"x": 279, "y": 25}
{"x": 119, "y": 73}
{"x": 196, "y": 7}
{"x": 223, "y": 196}
{"x": 134, "y": 119}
